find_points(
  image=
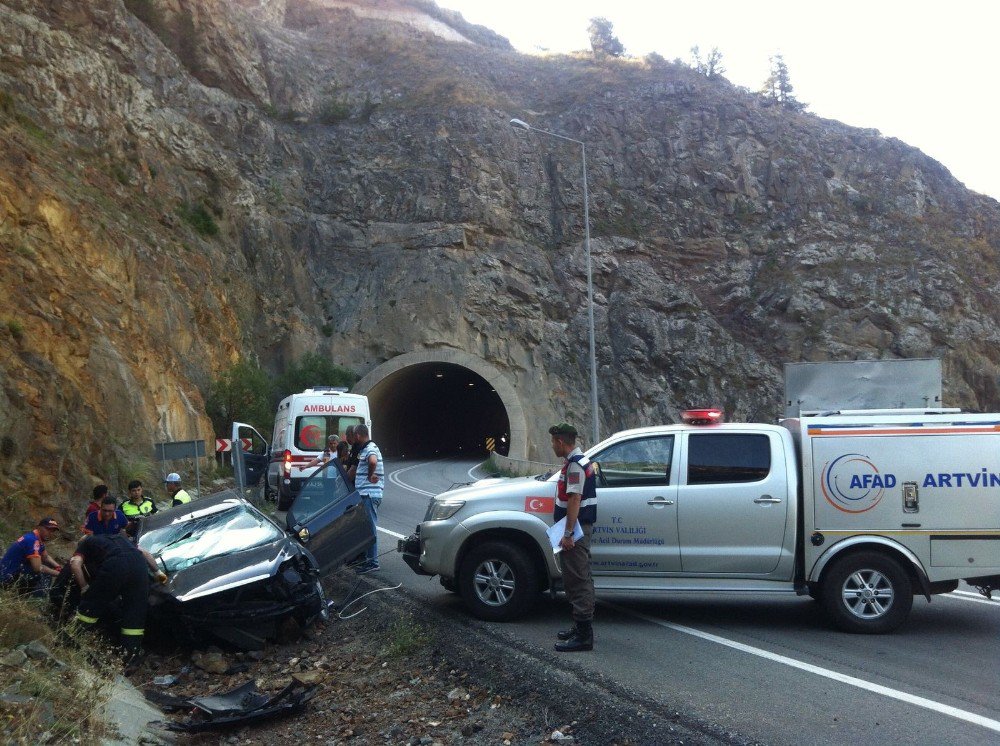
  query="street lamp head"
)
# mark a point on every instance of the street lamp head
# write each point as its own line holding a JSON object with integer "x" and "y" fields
{"x": 520, "y": 124}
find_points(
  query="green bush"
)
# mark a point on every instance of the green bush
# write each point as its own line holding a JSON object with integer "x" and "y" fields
{"x": 199, "y": 218}
{"x": 16, "y": 329}
{"x": 333, "y": 111}
{"x": 246, "y": 393}
{"x": 312, "y": 369}
{"x": 28, "y": 125}
{"x": 243, "y": 393}
{"x": 406, "y": 637}
{"x": 6, "y": 103}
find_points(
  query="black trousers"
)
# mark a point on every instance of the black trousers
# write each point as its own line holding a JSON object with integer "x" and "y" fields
{"x": 121, "y": 576}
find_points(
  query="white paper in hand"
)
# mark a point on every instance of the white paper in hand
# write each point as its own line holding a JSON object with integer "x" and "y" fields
{"x": 557, "y": 530}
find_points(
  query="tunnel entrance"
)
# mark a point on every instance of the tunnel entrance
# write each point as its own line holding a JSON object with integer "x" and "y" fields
{"x": 437, "y": 409}
{"x": 445, "y": 404}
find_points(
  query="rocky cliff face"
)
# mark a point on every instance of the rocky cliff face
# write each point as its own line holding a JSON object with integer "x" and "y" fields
{"x": 185, "y": 183}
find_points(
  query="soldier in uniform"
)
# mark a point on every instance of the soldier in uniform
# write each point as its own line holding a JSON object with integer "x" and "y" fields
{"x": 576, "y": 500}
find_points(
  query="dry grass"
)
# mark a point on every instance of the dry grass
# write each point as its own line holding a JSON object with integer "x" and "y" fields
{"x": 54, "y": 701}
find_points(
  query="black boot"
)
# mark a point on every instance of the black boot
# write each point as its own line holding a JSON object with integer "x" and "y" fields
{"x": 565, "y": 634}
{"x": 582, "y": 639}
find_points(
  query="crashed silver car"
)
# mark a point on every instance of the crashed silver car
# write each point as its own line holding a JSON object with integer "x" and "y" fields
{"x": 237, "y": 575}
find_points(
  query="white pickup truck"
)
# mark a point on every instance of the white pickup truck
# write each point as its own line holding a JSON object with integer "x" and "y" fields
{"x": 859, "y": 509}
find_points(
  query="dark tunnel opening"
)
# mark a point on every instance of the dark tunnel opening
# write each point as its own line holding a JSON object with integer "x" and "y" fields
{"x": 435, "y": 410}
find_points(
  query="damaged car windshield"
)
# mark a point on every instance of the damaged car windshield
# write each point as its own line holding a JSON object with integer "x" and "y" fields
{"x": 187, "y": 543}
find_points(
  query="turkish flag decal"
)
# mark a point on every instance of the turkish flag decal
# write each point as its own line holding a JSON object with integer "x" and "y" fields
{"x": 539, "y": 504}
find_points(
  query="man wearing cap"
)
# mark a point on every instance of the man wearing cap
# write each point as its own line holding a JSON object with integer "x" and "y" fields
{"x": 26, "y": 561}
{"x": 173, "y": 482}
{"x": 576, "y": 501}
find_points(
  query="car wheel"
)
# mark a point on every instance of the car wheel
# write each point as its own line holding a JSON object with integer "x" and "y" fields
{"x": 498, "y": 581}
{"x": 867, "y": 593}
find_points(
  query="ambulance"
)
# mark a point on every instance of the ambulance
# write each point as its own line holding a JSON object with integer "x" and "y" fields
{"x": 301, "y": 426}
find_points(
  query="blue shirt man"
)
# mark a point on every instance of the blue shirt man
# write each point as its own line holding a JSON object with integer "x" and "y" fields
{"x": 107, "y": 521}
{"x": 26, "y": 558}
{"x": 369, "y": 480}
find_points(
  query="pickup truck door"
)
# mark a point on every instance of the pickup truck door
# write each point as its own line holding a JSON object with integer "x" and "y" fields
{"x": 636, "y": 529}
{"x": 732, "y": 502}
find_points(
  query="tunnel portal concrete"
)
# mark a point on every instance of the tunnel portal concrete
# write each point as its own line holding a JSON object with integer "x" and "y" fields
{"x": 442, "y": 402}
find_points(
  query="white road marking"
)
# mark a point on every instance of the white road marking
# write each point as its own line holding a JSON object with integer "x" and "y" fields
{"x": 394, "y": 478}
{"x": 974, "y": 598}
{"x": 393, "y": 534}
{"x": 472, "y": 476}
{"x": 929, "y": 704}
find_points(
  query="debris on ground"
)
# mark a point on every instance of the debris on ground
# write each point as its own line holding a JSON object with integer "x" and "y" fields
{"x": 404, "y": 675}
{"x": 244, "y": 705}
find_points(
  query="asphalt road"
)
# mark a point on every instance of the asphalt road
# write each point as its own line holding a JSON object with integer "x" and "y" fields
{"x": 770, "y": 670}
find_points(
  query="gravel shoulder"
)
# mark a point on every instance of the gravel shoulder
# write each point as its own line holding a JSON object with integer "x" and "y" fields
{"x": 392, "y": 671}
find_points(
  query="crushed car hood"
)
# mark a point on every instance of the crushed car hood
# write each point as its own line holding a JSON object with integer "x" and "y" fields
{"x": 230, "y": 571}
{"x": 231, "y": 565}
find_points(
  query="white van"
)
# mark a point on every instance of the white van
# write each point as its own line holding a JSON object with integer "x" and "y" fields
{"x": 301, "y": 426}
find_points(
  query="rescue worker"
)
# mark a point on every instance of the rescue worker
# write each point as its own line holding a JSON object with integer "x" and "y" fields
{"x": 108, "y": 568}
{"x": 107, "y": 520}
{"x": 178, "y": 495}
{"x": 137, "y": 505}
{"x": 26, "y": 562}
{"x": 576, "y": 501}
{"x": 99, "y": 493}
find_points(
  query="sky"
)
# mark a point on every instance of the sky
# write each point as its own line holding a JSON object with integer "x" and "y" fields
{"x": 924, "y": 72}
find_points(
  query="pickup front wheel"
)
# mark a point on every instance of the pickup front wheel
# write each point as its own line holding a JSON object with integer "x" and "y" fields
{"x": 867, "y": 592}
{"x": 497, "y": 581}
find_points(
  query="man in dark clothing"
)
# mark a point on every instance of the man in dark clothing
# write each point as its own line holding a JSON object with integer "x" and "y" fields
{"x": 108, "y": 520}
{"x": 352, "y": 460}
{"x": 100, "y": 492}
{"x": 108, "y": 568}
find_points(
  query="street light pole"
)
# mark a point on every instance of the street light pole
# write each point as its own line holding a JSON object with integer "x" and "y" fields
{"x": 590, "y": 275}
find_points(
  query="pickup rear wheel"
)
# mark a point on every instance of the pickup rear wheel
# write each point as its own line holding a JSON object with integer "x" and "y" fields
{"x": 867, "y": 592}
{"x": 498, "y": 581}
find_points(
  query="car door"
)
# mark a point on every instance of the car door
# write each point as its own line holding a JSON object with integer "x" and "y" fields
{"x": 733, "y": 503}
{"x": 250, "y": 465}
{"x": 328, "y": 518}
{"x": 636, "y": 528}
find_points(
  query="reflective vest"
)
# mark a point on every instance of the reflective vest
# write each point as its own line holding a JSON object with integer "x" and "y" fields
{"x": 588, "y": 495}
{"x": 131, "y": 510}
{"x": 181, "y": 497}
